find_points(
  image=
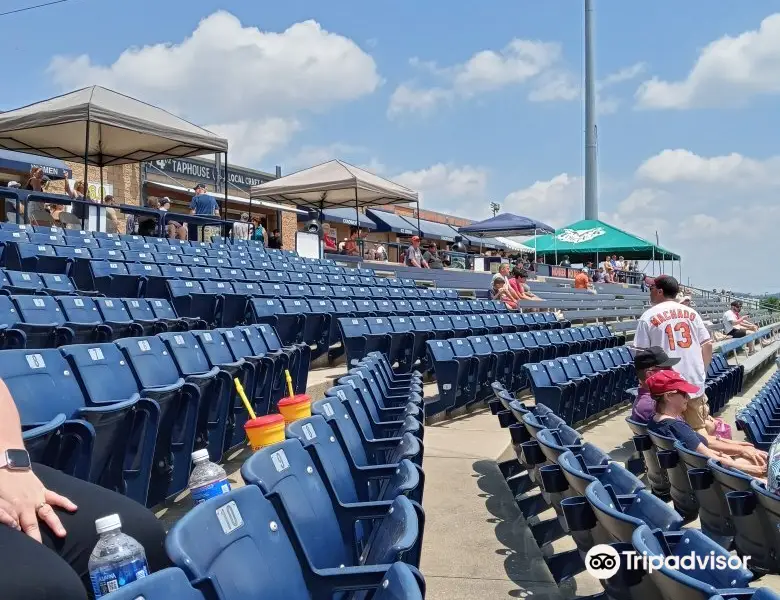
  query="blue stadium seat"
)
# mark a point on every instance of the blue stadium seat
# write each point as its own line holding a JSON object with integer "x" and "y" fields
{"x": 112, "y": 279}
{"x": 365, "y": 453}
{"x": 190, "y": 300}
{"x": 253, "y": 549}
{"x": 456, "y": 368}
{"x": 621, "y": 515}
{"x": 94, "y": 442}
{"x": 19, "y": 282}
{"x": 358, "y": 340}
{"x": 696, "y": 584}
{"x": 215, "y": 419}
{"x": 560, "y": 398}
{"x": 353, "y": 483}
{"x": 331, "y": 533}
{"x": 168, "y": 584}
{"x": 43, "y": 312}
{"x": 270, "y": 311}
{"x": 158, "y": 379}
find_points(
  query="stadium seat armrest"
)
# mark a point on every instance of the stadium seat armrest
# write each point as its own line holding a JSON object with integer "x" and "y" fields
{"x": 33, "y": 430}
{"x": 377, "y": 471}
{"x": 361, "y": 511}
{"x": 113, "y": 406}
{"x": 350, "y": 578}
{"x": 382, "y": 444}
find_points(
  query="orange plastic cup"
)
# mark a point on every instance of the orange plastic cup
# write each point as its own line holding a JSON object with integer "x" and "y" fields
{"x": 265, "y": 431}
{"x": 295, "y": 407}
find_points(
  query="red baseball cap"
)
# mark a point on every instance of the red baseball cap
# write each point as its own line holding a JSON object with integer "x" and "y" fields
{"x": 661, "y": 382}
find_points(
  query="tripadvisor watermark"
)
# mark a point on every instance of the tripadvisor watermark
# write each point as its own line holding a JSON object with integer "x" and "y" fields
{"x": 603, "y": 561}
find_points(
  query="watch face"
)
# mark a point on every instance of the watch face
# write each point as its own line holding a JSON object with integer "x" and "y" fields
{"x": 18, "y": 459}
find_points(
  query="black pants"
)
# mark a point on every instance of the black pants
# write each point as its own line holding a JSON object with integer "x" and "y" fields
{"x": 737, "y": 333}
{"x": 57, "y": 569}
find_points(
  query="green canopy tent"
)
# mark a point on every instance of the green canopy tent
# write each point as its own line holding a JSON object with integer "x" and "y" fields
{"x": 589, "y": 238}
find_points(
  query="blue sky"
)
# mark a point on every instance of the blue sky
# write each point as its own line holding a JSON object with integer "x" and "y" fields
{"x": 465, "y": 103}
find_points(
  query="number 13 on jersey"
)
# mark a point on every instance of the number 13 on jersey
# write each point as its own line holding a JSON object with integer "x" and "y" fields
{"x": 679, "y": 335}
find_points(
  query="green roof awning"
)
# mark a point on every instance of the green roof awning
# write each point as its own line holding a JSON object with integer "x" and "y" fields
{"x": 597, "y": 237}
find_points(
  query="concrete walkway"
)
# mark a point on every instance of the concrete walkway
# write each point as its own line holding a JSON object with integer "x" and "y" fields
{"x": 477, "y": 543}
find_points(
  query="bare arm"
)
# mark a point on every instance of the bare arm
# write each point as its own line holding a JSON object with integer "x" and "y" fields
{"x": 10, "y": 425}
{"x": 68, "y": 189}
{"x": 706, "y": 353}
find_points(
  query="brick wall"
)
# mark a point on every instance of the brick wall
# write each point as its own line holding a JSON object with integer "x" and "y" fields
{"x": 289, "y": 227}
{"x": 125, "y": 179}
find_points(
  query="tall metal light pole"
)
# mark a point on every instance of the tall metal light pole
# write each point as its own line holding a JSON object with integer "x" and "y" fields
{"x": 591, "y": 140}
{"x": 495, "y": 207}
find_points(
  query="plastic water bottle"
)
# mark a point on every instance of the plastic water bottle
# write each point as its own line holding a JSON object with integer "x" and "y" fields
{"x": 207, "y": 480}
{"x": 117, "y": 559}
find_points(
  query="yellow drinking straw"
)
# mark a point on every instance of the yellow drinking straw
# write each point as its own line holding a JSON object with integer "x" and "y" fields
{"x": 240, "y": 390}
{"x": 289, "y": 383}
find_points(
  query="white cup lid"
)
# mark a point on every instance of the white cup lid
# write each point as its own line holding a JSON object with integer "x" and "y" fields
{"x": 108, "y": 523}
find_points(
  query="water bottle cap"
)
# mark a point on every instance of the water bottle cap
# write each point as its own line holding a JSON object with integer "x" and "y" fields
{"x": 108, "y": 523}
{"x": 202, "y": 454}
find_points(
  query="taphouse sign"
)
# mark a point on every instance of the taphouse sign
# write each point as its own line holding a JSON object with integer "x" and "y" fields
{"x": 199, "y": 171}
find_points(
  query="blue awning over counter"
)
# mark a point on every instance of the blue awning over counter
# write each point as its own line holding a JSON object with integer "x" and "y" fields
{"x": 18, "y": 162}
{"x": 434, "y": 231}
{"x": 387, "y": 221}
{"x": 345, "y": 216}
{"x": 486, "y": 243}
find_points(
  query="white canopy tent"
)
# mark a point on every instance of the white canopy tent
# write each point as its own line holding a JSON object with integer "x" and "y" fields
{"x": 102, "y": 127}
{"x": 513, "y": 245}
{"x": 335, "y": 184}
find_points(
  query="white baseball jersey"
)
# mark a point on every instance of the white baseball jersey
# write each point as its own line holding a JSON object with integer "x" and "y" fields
{"x": 680, "y": 331}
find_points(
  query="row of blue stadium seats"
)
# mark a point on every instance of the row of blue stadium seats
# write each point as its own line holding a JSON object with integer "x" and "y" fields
{"x": 465, "y": 368}
{"x": 216, "y": 241}
{"x": 599, "y": 502}
{"x": 401, "y": 334}
{"x": 22, "y": 255}
{"x": 36, "y": 321}
{"x": 315, "y": 516}
{"x": 580, "y": 386}
{"x": 760, "y": 419}
{"x": 127, "y": 414}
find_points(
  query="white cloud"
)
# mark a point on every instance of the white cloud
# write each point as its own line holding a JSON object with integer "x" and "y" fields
{"x": 251, "y": 141}
{"x": 485, "y": 71}
{"x": 539, "y": 64}
{"x": 732, "y": 170}
{"x": 458, "y": 190}
{"x": 408, "y": 98}
{"x": 728, "y": 72}
{"x": 309, "y": 156}
{"x": 272, "y": 75}
{"x": 517, "y": 62}
{"x": 557, "y": 85}
{"x": 556, "y": 201}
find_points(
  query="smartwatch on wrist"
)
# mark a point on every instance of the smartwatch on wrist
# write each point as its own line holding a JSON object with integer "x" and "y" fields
{"x": 15, "y": 460}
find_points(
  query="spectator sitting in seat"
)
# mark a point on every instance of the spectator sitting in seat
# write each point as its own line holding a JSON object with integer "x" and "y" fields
{"x": 503, "y": 273}
{"x": 671, "y": 393}
{"x": 646, "y": 362}
{"x": 565, "y": 262}
{"x": 500, "y": 291}
{"x": 380, "y": 252}
{"x": 413, "y": 256}
{"x": 520, "y": 287}
{"x": 582, "y": 281}
{"x": 350, "y": 244}
{"x": 275, "y": 241}
{"x": 112, "y": 219}
{"x": 174, "y": 229}
{"x": 600, "y": 276}
{"x": 736, "y": 326}
{"x": 148, "y": 227}
{"x": 432, "y": 257}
